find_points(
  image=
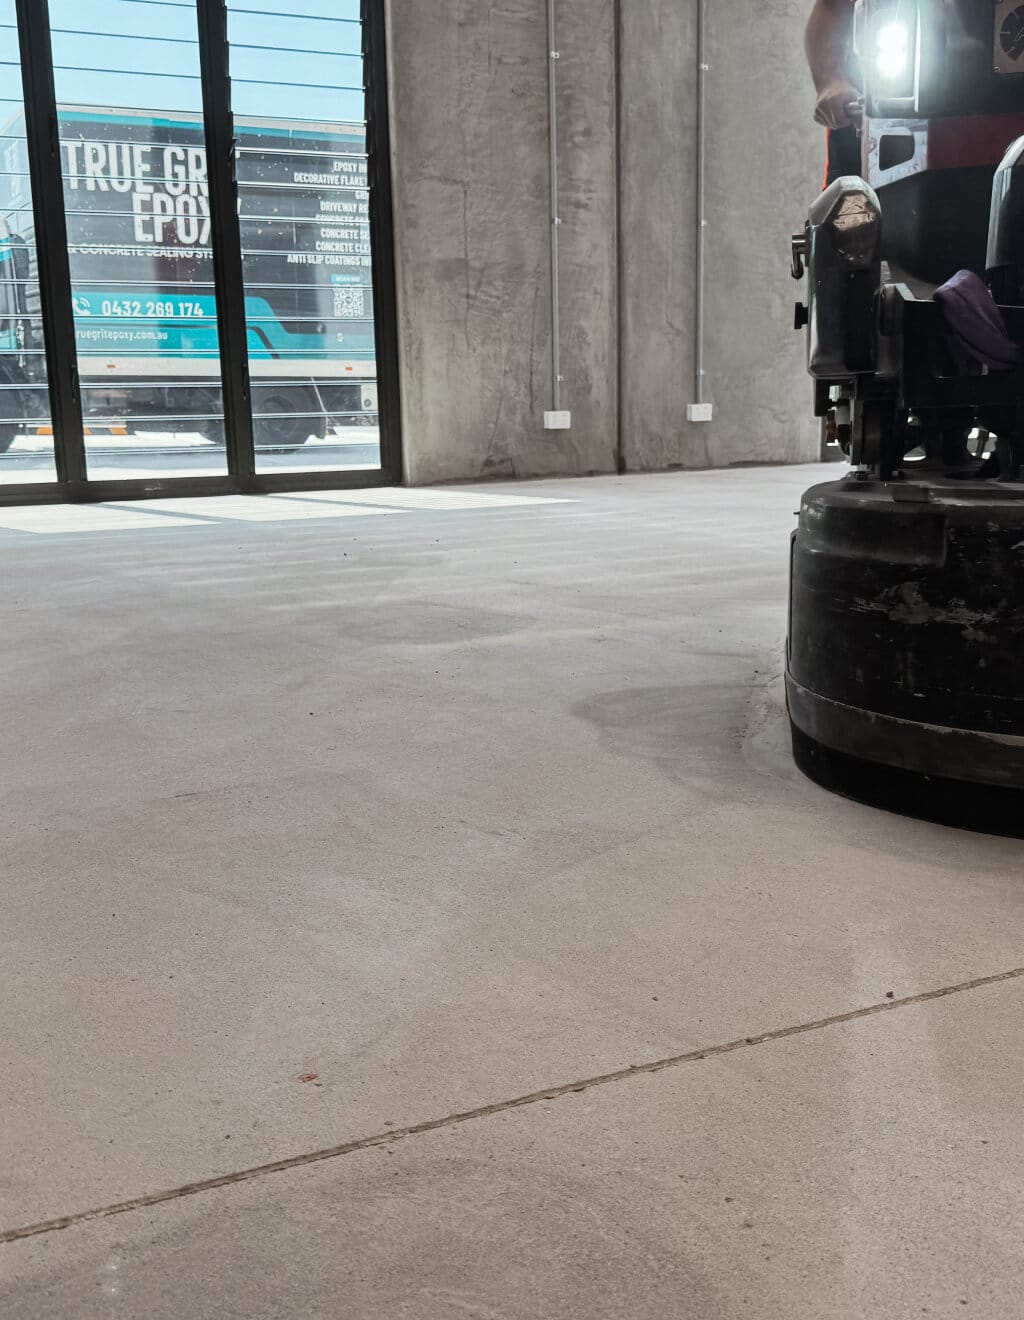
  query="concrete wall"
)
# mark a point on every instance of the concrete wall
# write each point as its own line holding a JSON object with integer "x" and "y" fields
{"x": 468, "y": 87}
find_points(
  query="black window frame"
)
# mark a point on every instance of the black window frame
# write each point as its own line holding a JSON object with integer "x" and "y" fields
{"x": 42, "y": 134}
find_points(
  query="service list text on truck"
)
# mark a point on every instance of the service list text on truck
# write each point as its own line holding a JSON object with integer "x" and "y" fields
{"x": 138, "y": 217}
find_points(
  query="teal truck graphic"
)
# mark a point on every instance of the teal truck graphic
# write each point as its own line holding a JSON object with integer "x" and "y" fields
{"x": 138, "y": 218}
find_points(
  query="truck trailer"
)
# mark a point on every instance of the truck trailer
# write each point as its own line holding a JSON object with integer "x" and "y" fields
{"x": 139, "y": 241}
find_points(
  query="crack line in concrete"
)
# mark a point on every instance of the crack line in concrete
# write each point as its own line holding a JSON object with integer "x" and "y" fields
{"x": 500, "y": 1107}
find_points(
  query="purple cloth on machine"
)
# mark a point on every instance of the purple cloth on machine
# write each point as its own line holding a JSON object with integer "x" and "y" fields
{"x": 976, "y": 323}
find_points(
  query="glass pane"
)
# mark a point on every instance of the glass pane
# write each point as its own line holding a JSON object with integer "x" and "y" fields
{"x": 134, "y": 159}
{"x": 297, "y": 78}
{"x": 26, "y": 435}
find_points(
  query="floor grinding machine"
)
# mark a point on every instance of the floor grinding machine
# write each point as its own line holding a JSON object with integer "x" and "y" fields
{"x": 905, "y": 673}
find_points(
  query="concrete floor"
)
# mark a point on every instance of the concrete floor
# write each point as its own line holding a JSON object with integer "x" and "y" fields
{"x": 381, "y": 835}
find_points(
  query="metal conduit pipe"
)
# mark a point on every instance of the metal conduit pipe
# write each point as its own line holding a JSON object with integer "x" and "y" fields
{"x": 701, "y": 246}
{"x": 556, "y": 220}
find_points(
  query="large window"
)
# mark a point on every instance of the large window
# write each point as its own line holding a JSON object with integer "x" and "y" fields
{"x": 151, "y": 267}
{"x": 26, "y": 433}
{"x": 297, "y": 85}
{"x": 136, "y": 199}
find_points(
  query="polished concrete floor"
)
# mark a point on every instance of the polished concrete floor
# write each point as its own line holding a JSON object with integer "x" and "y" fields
{"x": 409, "y": 909}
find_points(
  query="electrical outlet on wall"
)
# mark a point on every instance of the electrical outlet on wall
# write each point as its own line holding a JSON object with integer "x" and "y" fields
{"x": 700, "y": 412}
{"x": 558, "y": 421}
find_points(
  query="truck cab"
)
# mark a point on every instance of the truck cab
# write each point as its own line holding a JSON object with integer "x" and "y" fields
{"x": 20, "y": 342}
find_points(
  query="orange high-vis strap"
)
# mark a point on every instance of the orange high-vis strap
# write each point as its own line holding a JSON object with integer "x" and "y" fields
{"x": 828, "y": 157}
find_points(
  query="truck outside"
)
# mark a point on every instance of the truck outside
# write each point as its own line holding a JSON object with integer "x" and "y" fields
{"x": 138, "y": 217}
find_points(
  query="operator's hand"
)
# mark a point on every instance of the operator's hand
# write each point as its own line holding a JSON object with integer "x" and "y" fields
{"x": 838, "y": 105}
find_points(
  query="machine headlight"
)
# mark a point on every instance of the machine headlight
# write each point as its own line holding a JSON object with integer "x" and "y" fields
{"x": 892, "y": 50}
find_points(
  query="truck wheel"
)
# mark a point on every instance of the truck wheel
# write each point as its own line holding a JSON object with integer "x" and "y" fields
{"x": 348, "y": 405}
{"x": 25, "y": 404}
{"x": 293, "y": 425}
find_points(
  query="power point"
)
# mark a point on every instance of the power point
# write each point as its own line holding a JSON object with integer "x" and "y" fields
{"x": 557, "y": 421}
{"x": 700, "y": 412}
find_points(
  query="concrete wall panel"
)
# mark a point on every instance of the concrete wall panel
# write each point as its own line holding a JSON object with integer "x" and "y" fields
{"x": 470, "y": 130}
{"x": 470, "y": 135}
{"x": 764, "y": 164}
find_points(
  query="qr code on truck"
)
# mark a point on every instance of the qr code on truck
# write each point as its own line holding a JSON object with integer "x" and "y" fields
{"x": 349, "y": 303}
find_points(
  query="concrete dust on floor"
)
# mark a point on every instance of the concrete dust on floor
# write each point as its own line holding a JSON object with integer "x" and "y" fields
{"x": 479, "y": 797}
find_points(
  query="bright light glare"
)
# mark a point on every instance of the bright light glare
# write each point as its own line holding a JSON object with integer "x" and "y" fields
{"x": 893, "y": 53}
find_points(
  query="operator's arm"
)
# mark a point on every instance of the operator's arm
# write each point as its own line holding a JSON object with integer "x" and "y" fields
{"x": 829, "y": 43}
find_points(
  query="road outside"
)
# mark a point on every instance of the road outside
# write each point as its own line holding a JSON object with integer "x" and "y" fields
{"x": 187, "y": 454}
